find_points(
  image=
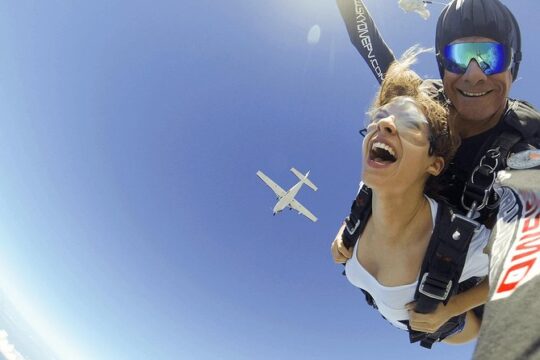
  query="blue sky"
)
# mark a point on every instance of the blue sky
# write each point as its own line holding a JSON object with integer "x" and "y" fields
{"x": 132, "y": 224}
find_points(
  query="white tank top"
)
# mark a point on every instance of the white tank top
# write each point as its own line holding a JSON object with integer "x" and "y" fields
{"x": 391, "y": 300}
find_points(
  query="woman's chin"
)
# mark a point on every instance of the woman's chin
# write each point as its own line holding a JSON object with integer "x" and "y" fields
{"x": 376, "y": 180}
{"x": 381, "y": 176}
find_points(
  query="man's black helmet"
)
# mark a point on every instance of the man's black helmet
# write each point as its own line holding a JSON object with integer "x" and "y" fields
{"x": 486, "y": 18}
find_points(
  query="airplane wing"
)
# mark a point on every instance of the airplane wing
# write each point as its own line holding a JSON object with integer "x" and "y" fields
{"x": 275, "y": 187}
{"x": 302, "y": 210}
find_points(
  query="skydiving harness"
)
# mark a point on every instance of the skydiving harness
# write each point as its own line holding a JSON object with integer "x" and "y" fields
{"x": 447, "y": 250}
{"x": 441, "y": 267}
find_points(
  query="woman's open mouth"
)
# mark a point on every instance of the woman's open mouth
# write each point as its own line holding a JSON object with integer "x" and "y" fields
{"x": 382, "y": 153}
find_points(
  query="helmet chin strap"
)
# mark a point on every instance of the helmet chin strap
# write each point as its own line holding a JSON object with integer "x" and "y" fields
{"x": 515, "y": 66}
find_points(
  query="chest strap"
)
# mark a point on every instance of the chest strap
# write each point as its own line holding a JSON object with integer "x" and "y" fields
{"x": 358, "y": 217}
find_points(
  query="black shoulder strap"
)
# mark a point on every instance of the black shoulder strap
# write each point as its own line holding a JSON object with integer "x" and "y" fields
{"x": 355, "y": 224}
{"x": 357, "y": 219}
{"x": 442, "y": 267}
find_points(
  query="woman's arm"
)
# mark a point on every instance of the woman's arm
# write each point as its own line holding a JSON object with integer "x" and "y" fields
{"x": 469, "y": 332}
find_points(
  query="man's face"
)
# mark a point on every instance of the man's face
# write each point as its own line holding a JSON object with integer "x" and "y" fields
{"x": 479, "y": 99}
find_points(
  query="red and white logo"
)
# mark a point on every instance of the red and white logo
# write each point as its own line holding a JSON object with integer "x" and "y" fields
{"x": 520, "y": 236}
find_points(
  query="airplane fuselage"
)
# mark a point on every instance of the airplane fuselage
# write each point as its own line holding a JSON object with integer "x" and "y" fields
{"x": 287, "y": 198}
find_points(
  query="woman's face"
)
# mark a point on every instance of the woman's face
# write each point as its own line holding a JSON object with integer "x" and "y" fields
{"x": 396, "y": 146}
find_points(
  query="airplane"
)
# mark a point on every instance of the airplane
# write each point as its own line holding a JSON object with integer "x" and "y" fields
{"x": 286, "y": 198}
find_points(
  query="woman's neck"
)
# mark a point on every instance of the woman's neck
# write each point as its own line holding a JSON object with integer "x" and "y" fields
{"x": 393, "y": 217}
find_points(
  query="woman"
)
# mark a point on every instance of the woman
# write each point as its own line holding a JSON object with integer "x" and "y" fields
{"x": 406, "y": 147}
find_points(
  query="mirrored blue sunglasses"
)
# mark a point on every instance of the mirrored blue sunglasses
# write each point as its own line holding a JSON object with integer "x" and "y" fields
{"x": 491, "y": 57}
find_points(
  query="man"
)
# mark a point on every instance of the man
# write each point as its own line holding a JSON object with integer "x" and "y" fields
{"x": 485, "y": 116}
{"x": 478, "y": 49}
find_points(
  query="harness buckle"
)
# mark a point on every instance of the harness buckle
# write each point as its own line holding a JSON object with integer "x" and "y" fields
{"x": 438, "y": 290}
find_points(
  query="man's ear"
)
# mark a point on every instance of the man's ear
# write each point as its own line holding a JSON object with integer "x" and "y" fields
{"x": 436, "y": 167}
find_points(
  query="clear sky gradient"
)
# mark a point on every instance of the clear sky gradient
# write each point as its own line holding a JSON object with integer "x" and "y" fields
{"x": 132, "y": 224}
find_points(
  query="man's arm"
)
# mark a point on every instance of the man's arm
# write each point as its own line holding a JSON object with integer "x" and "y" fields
{"x": 365, "y": 37}
{"x": 511, "y": 325}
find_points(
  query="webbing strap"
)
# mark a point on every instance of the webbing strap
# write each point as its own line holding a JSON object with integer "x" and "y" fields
{"x": 357, "y": 219}
{"x": 444, "y": 260}
{"x": 442, "y": 267}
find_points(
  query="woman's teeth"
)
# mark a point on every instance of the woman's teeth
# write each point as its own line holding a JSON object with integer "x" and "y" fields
{"x": 379, "y": 145}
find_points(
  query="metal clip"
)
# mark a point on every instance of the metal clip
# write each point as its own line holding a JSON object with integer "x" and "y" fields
{"x": 491, "y": 155}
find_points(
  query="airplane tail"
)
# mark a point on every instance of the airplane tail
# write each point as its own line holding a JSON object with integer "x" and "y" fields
{"x": 304, "y": 178}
